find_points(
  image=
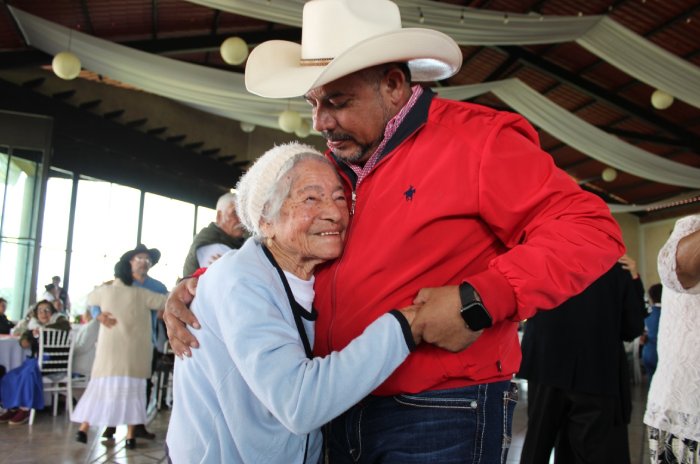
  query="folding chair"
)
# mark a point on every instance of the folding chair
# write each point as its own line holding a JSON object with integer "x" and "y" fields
{"x": 164, "y": 369}
{"x": 77, "y": 381}
{"x": 54, "y": 351}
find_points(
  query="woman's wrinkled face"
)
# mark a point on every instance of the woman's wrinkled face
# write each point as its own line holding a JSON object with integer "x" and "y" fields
{"x": 311, "y": 225}
{"x": 43, "y": 313}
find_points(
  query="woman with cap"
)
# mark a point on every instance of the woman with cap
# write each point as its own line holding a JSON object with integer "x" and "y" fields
{"x": 253, "y": 392}
{"x": 116, "y": 392}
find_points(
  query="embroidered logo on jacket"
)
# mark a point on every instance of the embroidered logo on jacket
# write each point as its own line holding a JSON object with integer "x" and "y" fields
{"x": 409, "y": 193}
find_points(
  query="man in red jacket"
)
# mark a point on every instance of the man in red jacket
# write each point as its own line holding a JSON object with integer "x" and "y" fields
{"x": 454, "y": 206}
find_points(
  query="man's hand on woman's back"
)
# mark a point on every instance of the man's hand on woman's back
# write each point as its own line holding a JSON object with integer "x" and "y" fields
{"x": 178, "y": 316}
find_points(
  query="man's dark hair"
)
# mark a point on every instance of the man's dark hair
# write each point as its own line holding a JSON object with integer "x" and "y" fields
{"x": 655, "y": 293}
{"x": 3, "y": 300}
{"x": 405, "y": 70}
{"x": 374, "y": 74}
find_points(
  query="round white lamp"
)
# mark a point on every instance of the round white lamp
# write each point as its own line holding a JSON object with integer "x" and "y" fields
{"x": 661, "y": 100}
{"x": 234, "y": 50}
{"x": 304, "y": 129}
{"x": 609, "y": 174}
{"x": 289, "y": 121}
{"x": 66, "y": 65}
{"x": 247, "y": 127}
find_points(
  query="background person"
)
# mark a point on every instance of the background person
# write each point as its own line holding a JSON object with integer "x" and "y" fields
{"x": 43, "y": 315}
{"x": 85, "y": 345}
{"x": 217, "y": 238}
{"x": 22, "y": 388}
{"x": 579, "y": 399}
{"x": 255, "y": 373}
{"x": 452, "y": 201}
{"x": 673, "y": 403}
{"x": 141, "y": 259}
{"x": 6, "y": 325}
{"x": 55, "y": 292}
{"x": 650, "y": 357}
{"x": 116, "y": 393}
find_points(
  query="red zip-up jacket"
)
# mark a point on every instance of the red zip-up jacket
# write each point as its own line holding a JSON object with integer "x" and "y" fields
{"x": 462, "y": 193}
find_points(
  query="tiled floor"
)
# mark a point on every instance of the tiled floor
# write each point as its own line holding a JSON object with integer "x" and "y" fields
{"x": 50, "y": 439}
{"x": 636, "y": 431}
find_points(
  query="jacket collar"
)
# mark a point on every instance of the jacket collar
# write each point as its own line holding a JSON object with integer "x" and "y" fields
{"x": 413, "y": 121}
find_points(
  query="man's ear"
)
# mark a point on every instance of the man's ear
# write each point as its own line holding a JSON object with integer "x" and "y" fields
{"x": 396, "y": 86}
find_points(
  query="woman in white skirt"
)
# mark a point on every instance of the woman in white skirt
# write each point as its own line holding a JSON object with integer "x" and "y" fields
{"x": 116, "y": 393}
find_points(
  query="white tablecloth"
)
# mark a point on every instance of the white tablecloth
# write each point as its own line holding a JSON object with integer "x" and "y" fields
{"x": 11, "y": 354}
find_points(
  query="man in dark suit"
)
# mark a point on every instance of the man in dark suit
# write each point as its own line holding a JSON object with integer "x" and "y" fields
{"x": 578, "y": 381}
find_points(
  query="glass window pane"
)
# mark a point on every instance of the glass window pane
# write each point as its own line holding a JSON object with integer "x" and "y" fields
{"x": 167, "y": 225}
{"x": 19, "y": 189}
{"x": 52, "y": 257}
{"x": 106, "y": 224}
{"x": 205, "y": 216}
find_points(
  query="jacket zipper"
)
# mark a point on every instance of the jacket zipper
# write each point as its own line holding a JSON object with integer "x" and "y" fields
{"x": 353, "y": 202}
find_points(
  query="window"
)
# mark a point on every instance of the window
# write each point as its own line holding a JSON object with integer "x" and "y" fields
{"x": 205, "y": 216}
{"x": 106, "y": 225}
{"x": 19, "y": 189}
{"x": 54, "y": 233}
{"x": 167, "y": 225}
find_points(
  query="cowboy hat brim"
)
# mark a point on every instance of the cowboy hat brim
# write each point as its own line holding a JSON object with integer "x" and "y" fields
{"x": 274, "y": 68}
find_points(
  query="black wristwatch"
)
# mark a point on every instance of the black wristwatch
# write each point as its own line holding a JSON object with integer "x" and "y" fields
{"x": 473, "y": 311}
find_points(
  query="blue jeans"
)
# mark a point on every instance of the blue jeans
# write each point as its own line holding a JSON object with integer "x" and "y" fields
{"x": 462, "y": 426}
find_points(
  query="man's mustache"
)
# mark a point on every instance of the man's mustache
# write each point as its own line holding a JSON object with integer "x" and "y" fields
{"x": 335, "y": 137}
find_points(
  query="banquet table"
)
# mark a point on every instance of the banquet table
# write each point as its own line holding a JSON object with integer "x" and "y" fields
{"x": 11, "y": 354}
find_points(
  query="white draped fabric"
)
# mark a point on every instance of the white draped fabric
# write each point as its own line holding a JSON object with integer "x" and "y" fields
{"x": 224, "y": 93}
{"x": 600, "y": 35}
{"x": 205, "y": 88}
{"x": 644, "y": 60}
{"x": 581, "y": 135}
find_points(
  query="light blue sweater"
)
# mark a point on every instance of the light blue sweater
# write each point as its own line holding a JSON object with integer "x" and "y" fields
{"x": 249, "y": 394}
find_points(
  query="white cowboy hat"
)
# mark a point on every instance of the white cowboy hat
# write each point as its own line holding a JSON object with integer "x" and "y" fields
{"x": 340, "y": 37}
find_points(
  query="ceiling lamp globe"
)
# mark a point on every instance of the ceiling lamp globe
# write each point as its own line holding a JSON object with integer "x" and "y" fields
{"x": 66, "y": 65}
{"x": 304, "y": 129}
{"x": 661, "y": 100}
{"x": 234, "y": 50}
{"x": 289, "y": 121}
{"x": 609, "y": 174}
{"x": 247, "y": 127}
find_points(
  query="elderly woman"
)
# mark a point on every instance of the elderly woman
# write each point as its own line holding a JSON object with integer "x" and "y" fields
{"x": 22, "y": 388}
{"x": 116, "y": 392}
{"x": 43, "y": 315}
{"x": 253, "y": 392}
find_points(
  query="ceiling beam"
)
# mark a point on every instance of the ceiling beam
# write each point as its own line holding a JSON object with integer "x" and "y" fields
{"x": 101, "y": 148}
{"x": 216, "y": 19}
{"x": 644, "y": 137}
{"x": 89, "y": 29}
{"x": 154, "y": 19}
{"x": 169, "y": 46}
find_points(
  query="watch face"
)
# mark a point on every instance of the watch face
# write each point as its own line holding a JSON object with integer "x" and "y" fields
{"x": 476, "y": 316}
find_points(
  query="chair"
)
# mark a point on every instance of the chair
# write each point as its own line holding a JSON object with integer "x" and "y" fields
{"x": 164, "y": 369}
{"x": 54, "y": 351}
{"x": 78, "y": 381}
{"x": 632, "y": 350}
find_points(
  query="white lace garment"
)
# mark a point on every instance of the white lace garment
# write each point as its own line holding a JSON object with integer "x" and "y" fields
{"x": 673, "y": 404}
